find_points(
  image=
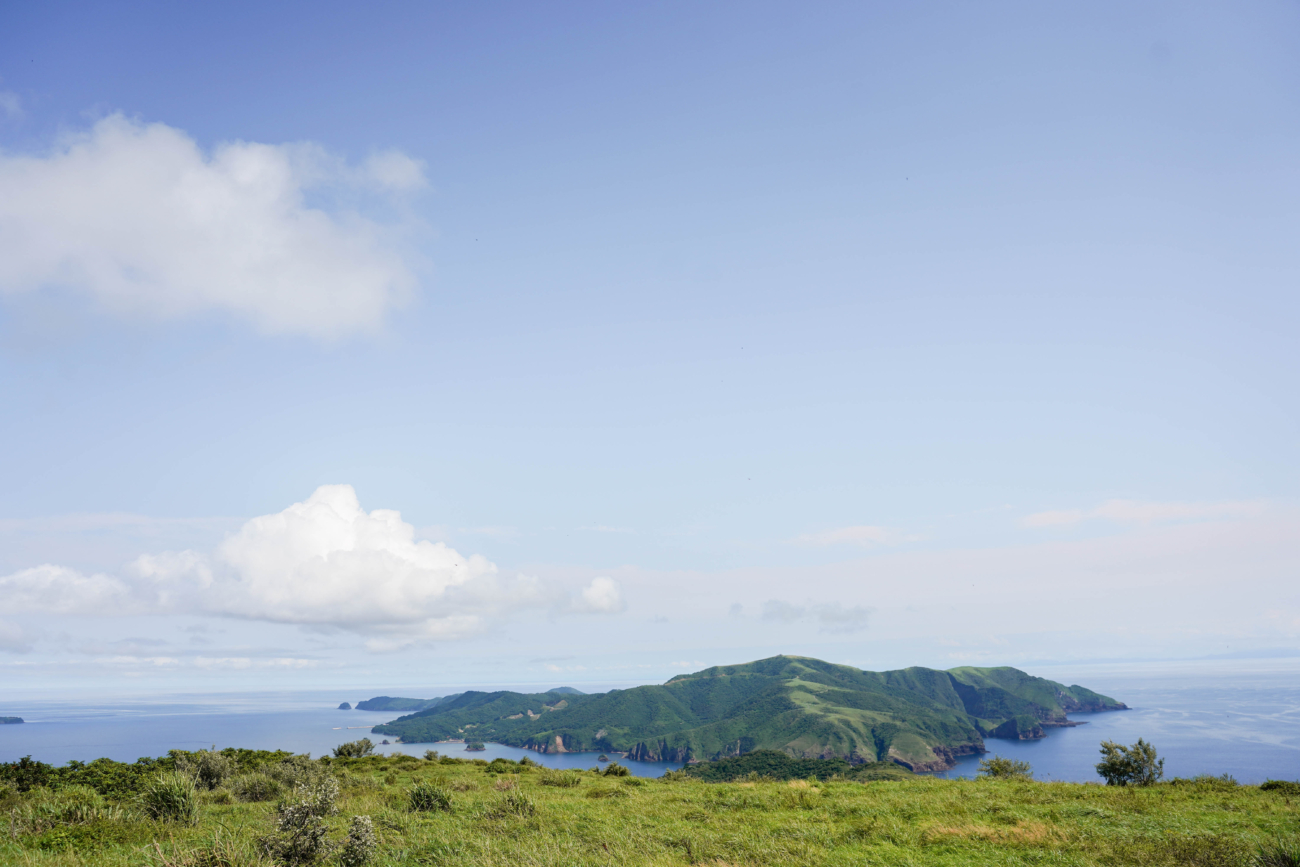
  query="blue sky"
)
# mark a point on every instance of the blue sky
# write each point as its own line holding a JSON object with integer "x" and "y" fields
{"x": 893, "y": 335}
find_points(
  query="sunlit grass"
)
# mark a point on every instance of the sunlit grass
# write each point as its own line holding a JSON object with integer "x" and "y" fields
{"x": 517, "y": 819}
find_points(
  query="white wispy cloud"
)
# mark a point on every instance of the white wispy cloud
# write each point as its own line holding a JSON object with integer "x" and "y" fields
{"x": 864, "y": 535}
{"x": 1141, "y": 512}
{"x": 141, "y": 219}
{"x": 10, "y": 105}
{"x": 831, "y": 617}
{"x": 324, "y": 562}
{"x": 14, "y": 638}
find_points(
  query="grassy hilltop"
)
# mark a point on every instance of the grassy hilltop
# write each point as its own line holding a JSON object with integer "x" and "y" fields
{"x": 919, "y": 717}
{"x": 457, "y": 812}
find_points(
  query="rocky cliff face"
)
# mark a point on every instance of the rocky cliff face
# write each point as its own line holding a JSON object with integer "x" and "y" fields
{"x": 944, "y": 758}
{"x": 659, "y": 752}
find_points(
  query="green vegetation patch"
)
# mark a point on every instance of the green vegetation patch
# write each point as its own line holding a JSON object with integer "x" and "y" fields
{"x": 775, "y": 810}
{"x": 774, "y": 765}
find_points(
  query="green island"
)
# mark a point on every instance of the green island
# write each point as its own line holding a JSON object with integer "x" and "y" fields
{"x": 920, "y": 718}
{"x": 10, "y": 720}
{"x": 244, "y": 808}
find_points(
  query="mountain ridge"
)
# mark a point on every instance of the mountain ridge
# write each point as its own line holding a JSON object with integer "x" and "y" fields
{"x": 918, "y": 717}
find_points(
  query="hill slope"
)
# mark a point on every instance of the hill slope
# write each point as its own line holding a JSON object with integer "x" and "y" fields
{"x": 918, "y": 717}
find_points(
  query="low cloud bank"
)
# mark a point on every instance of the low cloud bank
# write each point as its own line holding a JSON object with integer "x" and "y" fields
{"x": 325, "y": 562}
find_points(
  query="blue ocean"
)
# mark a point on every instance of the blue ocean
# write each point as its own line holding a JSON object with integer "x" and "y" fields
{"x": 1222, "y": 719}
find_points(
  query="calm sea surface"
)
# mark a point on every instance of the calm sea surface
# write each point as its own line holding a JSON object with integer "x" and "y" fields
{"x": 1218, "y": 719}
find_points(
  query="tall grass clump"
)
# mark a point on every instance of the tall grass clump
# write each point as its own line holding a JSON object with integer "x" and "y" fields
{"x": 559, "y": 779}
{"x": 614, "y": 769}
{"x": 428, "y": 796}
{"x": 171, "y": 797}
{"x": 221, "y": 850}
{"x": 44, "y": 809}
{"x": 1278, "y": 853}
{"x": 513, "y": 803}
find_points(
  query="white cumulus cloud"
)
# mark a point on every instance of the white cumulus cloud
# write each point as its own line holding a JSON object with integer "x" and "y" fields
{"x": 601, "y": 596}
{"x": 326, "y": 562}
{"x": 143, "y": 220}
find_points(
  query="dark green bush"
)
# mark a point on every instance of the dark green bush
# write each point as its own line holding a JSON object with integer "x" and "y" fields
{"x": 1282, "y": 787}
{"x": 257, "y": 786}
{"x": 999, "y": 768}
{"x": 209, "y": 768}
{"x": 614, "y": 769}
{"x": 355, "y": 749}
{"x": 1130, "y": 766}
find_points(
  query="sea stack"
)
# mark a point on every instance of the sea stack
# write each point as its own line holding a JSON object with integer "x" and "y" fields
{"x": 345, "y": 706}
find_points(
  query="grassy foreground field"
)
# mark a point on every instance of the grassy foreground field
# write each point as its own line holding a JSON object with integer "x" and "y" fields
{"x": 507, "y": 814}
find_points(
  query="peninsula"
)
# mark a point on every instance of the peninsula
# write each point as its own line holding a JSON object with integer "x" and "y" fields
{"x": 920, "y": 718}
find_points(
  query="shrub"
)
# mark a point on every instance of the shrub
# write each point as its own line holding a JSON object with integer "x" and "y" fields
{"x": 1282, "y": 787}
{"x": 209, "y": 768}
{"x": 1130, "y": 766}
{"x": 360, "y": 846}
{"x": 512, "y": 803}
{"x": 427, "y": 796}
{"x": 431, "y": 755}
{"x": 254, "y": 787}
{"x": 390, "y": 778}
{"x": 526, "y": 762}
{"x": 294, "y": 771}
{"x": 301, "y": 831}
{"x": 563, "y": 780}
{"x": 26, "y": 774}
{"x": 614, "y": 769}
{"x": 171, "y": 797}
{"x": 674, "y": 776}
{"x": 501, "y": 766}
{"x": 354, "y": 749}
{"x": 999, "y": 768}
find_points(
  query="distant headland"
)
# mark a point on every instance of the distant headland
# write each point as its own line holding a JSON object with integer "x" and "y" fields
{"x": 920, "y": 718}
{"x": 10, "y": 720}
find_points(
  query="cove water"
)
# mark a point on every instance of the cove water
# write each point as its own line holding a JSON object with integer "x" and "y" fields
{"x": 1228, "y": 718}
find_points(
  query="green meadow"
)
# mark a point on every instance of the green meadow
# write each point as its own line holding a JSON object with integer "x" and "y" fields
{"x": 230, "y": 809}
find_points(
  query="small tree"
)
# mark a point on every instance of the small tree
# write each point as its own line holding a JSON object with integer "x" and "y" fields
{"x": 354, "y": 749}
{"x": 1130, "y": 766}
{"x": 998, "y": 768}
